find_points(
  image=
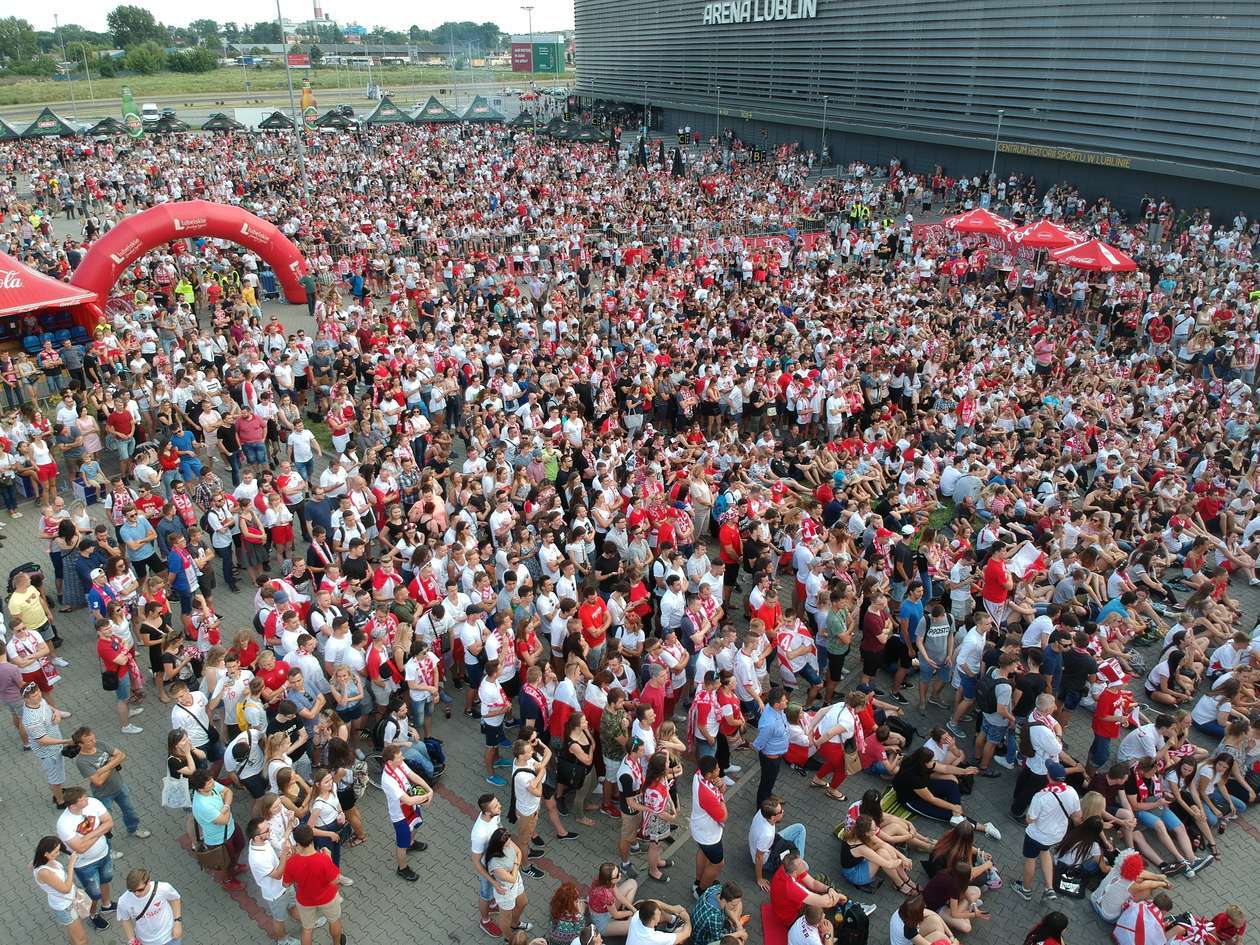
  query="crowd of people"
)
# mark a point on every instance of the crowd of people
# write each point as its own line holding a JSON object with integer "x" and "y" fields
{"x": 563, "y": 453}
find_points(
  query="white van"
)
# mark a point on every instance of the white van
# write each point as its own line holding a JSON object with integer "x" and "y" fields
{"x": 149, "y": 112}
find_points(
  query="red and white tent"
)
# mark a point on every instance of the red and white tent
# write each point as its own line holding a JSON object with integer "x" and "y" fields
{"x": 979, "y": 221}
{"x": 1044, "y": 234}
{"x": 22, "y": 289}
{"x": 1094, "y": 255}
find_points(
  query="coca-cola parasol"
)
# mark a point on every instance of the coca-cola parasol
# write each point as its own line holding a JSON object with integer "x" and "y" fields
{"x": 22, "y": 289}
{"x": 1044, "y": 234}
{"x": 1094, "y": 255}
{"x": 979, "y": 221}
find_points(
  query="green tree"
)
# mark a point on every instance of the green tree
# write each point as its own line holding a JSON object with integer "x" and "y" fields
{"x": 17, "y": 39}
{"x": 132, "y": 25}
{"x": 266, "y": 32}
{"x": 231, "y": 32}
{"x": 317, "y": 54}
{"x": 205, "y": 30}
{"x": 145, "y": 58}
{"x": 417, "y": 35}
{"x": 106, "y": 68}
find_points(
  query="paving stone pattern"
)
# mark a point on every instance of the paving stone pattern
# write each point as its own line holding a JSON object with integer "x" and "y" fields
{"x": 441, "y": 907}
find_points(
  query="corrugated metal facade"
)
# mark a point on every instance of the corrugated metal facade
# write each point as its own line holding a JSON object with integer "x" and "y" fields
{"x": 1170, "y": 86}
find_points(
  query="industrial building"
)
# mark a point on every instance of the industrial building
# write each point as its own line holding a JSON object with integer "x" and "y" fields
{"x": 1120, "y": 97}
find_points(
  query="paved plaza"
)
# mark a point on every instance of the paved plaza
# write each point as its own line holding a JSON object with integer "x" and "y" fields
{"x": 442, "y": 906}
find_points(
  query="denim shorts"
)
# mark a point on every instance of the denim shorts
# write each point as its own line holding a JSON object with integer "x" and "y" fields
{"x": 928, "y": 674}
{"x": 486, "y": 892}
{"x": 94, "y": 875}
{"x": 998, "y": 734}
{"x": 64, "y": 917}
{"x": 810, "y": 675}
{"x": 858, "y": 875}
{"x": 123, "y": 692}
{"x": 967, "y": 684}
{"x": 1149, "y": 818}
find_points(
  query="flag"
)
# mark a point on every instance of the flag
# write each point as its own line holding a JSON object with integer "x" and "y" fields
{"x": 131, "y": 115}
{"x": 309, "y": 113}
{"x": 1028, "y": 560}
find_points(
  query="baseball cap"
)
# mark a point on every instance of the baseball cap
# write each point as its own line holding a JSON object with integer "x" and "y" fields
{"x": 1055, "y": 771}
{"x": 96, "y": 573}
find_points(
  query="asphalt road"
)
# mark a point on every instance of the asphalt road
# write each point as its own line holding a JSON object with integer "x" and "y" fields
{"x": 204, "y": 104}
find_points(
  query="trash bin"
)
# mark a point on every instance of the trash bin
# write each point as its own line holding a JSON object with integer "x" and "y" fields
{"x": 270, "y": 289}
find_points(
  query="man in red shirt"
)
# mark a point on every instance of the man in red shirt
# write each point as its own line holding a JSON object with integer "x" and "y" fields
{"x": 792, "y": 888}
{"x": 116, "y": 657}
{"x": 251, "y": 429}
{"x": 595, "y": 623}
{"x": 316, "y": 882}
{"x": 731, "y": 548}
{"x": 275, "y": 676}
{"x": 998, "y": 582}
{"x": 121, "y": 425}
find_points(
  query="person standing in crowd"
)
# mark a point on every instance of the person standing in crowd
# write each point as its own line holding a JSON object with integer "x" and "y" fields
{"x": 1053, "y": 809}
{"x": 212, "y": 811}
{"x": 84, "y": 828}
{"x": 102, "y": 764}
{"x": 57, "y": 883}
{"x": 266, "y": 865}
{"x": 314, "y": 878}
{"x": 150, "y": 912}
{"x": 405, "y": 794}
{"x": 771, "y": 742}
{"x": 42, "y": 724}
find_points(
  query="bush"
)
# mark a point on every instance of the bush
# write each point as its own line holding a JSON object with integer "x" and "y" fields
{"x": 146, "y": 59}
{"x": 105, "y": 68}
{"x": 41, "y": 66}
{"x": 192, "y": 60}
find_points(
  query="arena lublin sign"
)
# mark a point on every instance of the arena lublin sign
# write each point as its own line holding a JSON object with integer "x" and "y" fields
{"x": 758, "y": 11}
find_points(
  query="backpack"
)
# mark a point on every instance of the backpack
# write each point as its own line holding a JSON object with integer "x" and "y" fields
{"x": 986, "y": 692}
{"x": 1024, "y": 736}
{"x": 852, "y": 927}
{"x": 436, "y": 753}
{"x": 779, "y": 848}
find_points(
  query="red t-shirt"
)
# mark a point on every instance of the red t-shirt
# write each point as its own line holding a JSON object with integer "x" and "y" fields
{"x": 655, "y": 697}
{"x": 276, "y": 677}
{"x": 107, "y": 650}
{"x": 314, "y": 876}
{"x": 592, "y": 616}
{"x": 1105, "y": 706}
{"x": 787, "y": 895}
{"x": 728, "y": 534}
{"x": 123, "y": 422}
{"x": 995, "y": 590}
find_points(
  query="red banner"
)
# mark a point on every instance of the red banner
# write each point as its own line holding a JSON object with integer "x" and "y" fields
{"x": 299, "y": 61}
{"x": 522, "y": 57}
{"x": 771, "y": 241}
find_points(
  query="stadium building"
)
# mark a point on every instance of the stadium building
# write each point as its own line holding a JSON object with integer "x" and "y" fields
{"x": 1120, "y": 97}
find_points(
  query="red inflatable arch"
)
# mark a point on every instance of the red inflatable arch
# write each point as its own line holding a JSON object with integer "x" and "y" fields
{"x": 110, "y": 255}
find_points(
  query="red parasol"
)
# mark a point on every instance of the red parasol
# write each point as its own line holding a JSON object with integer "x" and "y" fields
{"x": 22, "y": 289}
{"x": 979, "y": 221}
{"x": 1044, "y": 234}
{"x": 1094, "y": 255}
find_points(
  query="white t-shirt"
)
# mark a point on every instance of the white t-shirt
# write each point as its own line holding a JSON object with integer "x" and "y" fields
{"x": 155, "y": 925}
{"x": 526, "y": 802}
{"x": 482, "y": 830}
{"x": 71, "y": 825}
{"x": 193, "y": 719}
{"x": 802, "y": 933}
{"x": 492, "y": 696}
{"x": 640, "y": 934}
{"x": 262, "y": 861}
{"x": 760, "y": 836}
{"x": 1049, "y": 814}
{"x": 1040, "y": 626}
{"x": 394, "y": 784}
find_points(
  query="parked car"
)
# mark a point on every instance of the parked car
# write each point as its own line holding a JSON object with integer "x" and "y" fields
{"x": 149, "y": 112}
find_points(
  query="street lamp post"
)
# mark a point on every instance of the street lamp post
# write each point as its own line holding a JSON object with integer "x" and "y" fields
{"x": 822, "y": 147}
{"x": 717, "y": 115}
{"x": 529, "y": 19}
{"x": 647, "y": 118}
{"x": 299, "y": 130}
{"x": 87, "y": 71}
{"x": 997, "y": 138}
{"x": 74, "y": 106}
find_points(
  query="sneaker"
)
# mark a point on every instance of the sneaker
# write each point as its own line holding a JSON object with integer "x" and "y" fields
{"x": 117, "y": 855}
{"x": 734, "y": 769}
{"x": 729, "y": 782}
{"x": 503, "y": 763}
{"x": 130, "y": 729}
{"x": 112, "y": 907}
{"x": 1003, "y": 762}
{"x": 995, "y": 882}
{"x": 99, "y": 922}
{"x": 636, "y": 847}
{"x": 58, "y": 661}
{"x": 537, "y": 841}
{"x": 955, "y": 730}
{"x": 1049, "y": 895}
{"x": 899, "y": 699}
{"x": 1022, "y": 891}
{"x": 1173, "y": 869}
{"x": 419, "y": 846}
{"x": 533, "y": 871}
{"x": 233, "y": 885}
{"x": 610, "y": 811}
{"x": 143, "y": 834}
{"x": 491, "y": 929}
{"x": 571, "y": 835}
{"x": 1201, "y": 862}
{"x": 496, "y": 781}
{"x": 536, "y": 854}
{"x": 868, "y": 908}
{"x": 407, "y": 873}
{"x": 134, "y": 711}
{"x": 992, "y": 832}
{"x": 956, "y": 819}
{"x": 988, "y": 773}
{"x": 695, "y": 890}
{"x": 345, "y": 880}
{"x": 523, "y": 927}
